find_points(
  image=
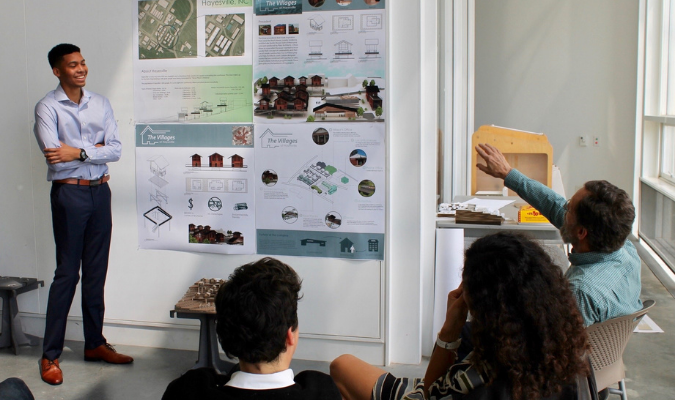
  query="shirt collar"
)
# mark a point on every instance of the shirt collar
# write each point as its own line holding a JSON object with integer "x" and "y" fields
{"x": 591, "y": 257}
{"x": 60, "y": 95}
{"x": 277, "y": 380}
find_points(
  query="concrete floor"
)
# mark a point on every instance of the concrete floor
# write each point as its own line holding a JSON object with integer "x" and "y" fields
{"x": 649, "y": 360}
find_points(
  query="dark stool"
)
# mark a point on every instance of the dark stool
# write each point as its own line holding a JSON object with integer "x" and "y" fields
{"x": 208, "y": 355}
{"x": 12, "y": 333}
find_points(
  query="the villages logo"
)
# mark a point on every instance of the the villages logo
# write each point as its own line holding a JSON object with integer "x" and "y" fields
{"x": 151, "y": 137}
{"x": 271, "y": 139}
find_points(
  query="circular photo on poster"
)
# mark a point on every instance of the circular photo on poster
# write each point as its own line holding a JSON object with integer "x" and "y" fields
{"x": 344, "y": 2}
{"x": 320, "y": 136}
{"x": 371, "y": 2}
{"x": 269, "y": 177}
{"x": 316, "y": 3}
{"x": 358, "y": 158}
{"x": 366, "y": 188}
{"x": 333, "y": 220}
{"x": 289, "y": 215}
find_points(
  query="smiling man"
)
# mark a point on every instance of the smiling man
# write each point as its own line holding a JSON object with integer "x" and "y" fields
{"x": 77, "y": 132}
{"x": 605, "y": 267}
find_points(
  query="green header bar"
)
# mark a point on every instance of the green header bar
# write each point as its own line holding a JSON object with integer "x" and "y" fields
{"x": 194, "y": 135}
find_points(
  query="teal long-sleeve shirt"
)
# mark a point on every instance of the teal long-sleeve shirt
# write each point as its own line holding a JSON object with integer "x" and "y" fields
{"x": 605, "y": 285}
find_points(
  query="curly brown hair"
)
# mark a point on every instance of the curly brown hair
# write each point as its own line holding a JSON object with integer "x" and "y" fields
{"x": 255, "y": 308}
{"x": 526, "y": 325}
{"x": 607, "y": 213}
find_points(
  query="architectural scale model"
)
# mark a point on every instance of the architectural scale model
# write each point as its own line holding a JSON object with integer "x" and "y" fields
{"x": 201, "y": 296}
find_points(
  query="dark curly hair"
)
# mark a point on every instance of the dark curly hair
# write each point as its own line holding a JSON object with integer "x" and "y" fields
{"x": 526, "y": 325}
{"x": 607, "y": 213}
{"x": 57, "y": 52}
{"x": 255, "y": 308}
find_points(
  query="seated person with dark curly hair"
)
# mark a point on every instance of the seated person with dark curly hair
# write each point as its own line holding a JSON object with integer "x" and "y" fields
{"x": 257, "y": 322}
{"x": 528, "y": 336}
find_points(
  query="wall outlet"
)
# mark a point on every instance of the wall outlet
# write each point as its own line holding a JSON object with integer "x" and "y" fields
{"x": 583, "y": 141}
{"x": 596, "y": 141}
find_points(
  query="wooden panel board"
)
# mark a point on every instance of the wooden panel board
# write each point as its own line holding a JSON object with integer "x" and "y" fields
{"x": 530, "y": 153}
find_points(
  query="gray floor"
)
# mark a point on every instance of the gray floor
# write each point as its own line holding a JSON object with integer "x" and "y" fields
{"x": 649, "y": 361}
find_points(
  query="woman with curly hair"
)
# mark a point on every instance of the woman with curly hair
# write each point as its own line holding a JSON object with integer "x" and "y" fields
{"x": 528, "y": 337}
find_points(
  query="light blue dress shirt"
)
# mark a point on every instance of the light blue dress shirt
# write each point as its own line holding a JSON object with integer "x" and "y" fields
{"x": 58, "y": 119}
{"x": 605, "y": 285}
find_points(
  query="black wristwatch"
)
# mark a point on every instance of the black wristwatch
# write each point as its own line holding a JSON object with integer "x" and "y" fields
{"x": 83, "y": 155}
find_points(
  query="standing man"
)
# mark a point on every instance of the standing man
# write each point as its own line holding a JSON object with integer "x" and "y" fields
{"x": 77, "y": 132}
{"x": 605, "y": 271}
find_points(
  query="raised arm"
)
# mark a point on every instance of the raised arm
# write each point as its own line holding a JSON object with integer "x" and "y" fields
{"x": 539, "y": 196}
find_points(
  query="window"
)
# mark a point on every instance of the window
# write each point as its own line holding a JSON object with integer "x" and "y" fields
{"x": 657, "y": 169}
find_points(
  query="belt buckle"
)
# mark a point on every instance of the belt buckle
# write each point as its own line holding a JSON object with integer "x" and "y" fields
{"x": 95, "y": 182}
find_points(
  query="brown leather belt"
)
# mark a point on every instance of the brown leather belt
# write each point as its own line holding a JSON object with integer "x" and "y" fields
{"x": 84, "y": 182}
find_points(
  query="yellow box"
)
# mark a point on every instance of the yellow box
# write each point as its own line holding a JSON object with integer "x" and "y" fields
{"x": 529, "y": 214}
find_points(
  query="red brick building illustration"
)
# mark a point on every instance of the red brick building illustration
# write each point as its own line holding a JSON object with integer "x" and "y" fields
{"x": 216, "y": 160}
{"x": 196, "y": 160}
{"x": 237, "y": 161}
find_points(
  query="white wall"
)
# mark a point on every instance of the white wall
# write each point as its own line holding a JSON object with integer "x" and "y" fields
{"x": 564, "y": 68}
{"x": 357, "y": 307}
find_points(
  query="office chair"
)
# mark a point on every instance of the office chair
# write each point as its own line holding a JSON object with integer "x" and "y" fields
{"x": 608, "y": 341}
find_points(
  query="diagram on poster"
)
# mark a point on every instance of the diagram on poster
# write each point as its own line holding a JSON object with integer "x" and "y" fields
{"x": 322, "y": 62}
{"x": 194, "y": 187}
{"x": 320, "y": 190}
{"x": 193, "y": 61}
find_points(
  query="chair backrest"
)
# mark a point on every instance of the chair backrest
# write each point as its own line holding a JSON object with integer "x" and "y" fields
{"x": 608, "y": 340}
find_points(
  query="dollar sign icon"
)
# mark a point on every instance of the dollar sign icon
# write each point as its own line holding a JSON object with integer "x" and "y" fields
{"x": 190, "y": 206}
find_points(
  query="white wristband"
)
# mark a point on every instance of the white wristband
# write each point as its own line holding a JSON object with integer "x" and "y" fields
{"x": 448, "y": 345}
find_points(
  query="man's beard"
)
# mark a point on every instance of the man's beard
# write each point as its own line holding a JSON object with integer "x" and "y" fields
{"x": 566, "y": 232}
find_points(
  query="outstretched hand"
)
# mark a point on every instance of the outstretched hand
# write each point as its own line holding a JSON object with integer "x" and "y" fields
{"x": 495, "y": 162}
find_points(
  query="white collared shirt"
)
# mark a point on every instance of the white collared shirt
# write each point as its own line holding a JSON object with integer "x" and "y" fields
{"x": 277, "y": 380}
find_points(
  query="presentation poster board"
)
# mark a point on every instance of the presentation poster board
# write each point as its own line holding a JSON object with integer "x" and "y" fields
{"x": 194, "y": 187}
{"x": 319, "y": 61}
{"x": 260, "y": 126}
{"x": 321, "y": 190}
{"x": 193, "y": 61}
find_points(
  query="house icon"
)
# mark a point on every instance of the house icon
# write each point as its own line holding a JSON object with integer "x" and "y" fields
{"x": 148, "y": 134}
{"x": 346, "y": 245}
{"x": 271, "y": 139}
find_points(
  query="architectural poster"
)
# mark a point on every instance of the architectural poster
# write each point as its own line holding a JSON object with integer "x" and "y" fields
{"x": 319, "y": 60}
{"x": 193, "y": 61}
{"x": 260, "y": 126}
{"x": 320, "y": 190}
{"x": 195, "y": 187}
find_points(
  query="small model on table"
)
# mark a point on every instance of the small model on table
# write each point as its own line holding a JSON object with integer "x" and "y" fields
{"x": 596, "y": 221}
{"x": 257, "y": 322}
{"x": 77, "y": 132}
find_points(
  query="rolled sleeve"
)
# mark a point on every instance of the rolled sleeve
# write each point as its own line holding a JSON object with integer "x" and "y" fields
{"x": 538, "y": 195}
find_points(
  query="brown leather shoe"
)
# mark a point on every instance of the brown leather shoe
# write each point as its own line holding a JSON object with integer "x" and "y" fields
{"x": 51, "y": 372}
{"x": 106, "y": 353}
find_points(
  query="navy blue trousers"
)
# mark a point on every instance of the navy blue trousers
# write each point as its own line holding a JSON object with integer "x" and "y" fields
{"x": 15, "y": 389}
{"x": 82, "y": 221}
